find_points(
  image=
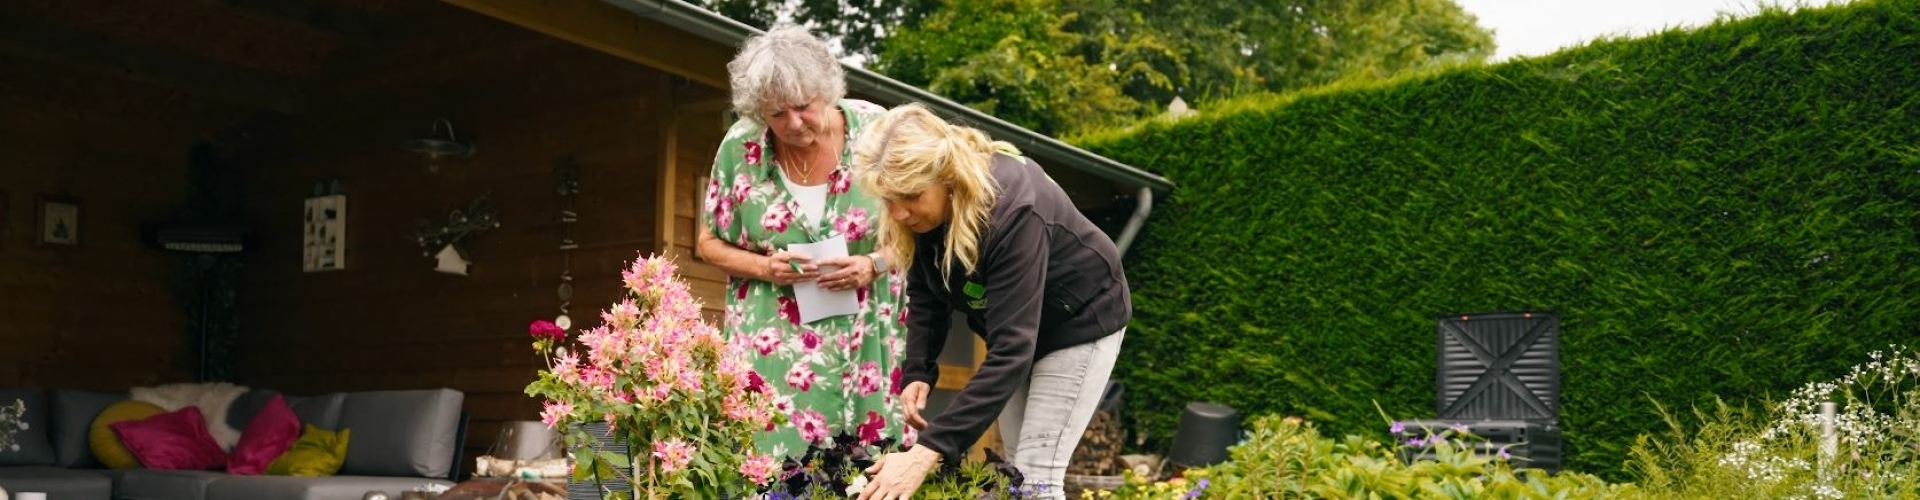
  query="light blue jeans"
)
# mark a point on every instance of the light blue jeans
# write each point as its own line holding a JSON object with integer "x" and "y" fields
{"x": 1043, "y": 422}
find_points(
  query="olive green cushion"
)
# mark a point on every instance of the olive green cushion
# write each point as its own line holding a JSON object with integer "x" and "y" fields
{"x": 319, "y": 452}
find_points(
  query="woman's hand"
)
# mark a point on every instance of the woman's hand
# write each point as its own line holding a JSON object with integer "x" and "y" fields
{"x": 854, "y": 272}
{"x": 897, "y": 475}
{"x": 781, "y": 265}
{"x": 913, "y": 400}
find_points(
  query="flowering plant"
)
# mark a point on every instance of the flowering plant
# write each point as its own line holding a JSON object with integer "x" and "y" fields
{"x": 685, "y": 400}
{"x": 12, "y": 419}
{"x": 1868, "y": 448}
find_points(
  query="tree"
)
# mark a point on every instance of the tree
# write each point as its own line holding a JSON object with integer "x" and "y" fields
{"x": 1012, "y": 59}
{"x": 858, "y": 25}
{"x": 1064, "y": 66}
{"x": 1154, "y": 51}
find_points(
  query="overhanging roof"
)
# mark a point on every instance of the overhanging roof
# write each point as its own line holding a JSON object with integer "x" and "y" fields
{"x": 713, "y": 26}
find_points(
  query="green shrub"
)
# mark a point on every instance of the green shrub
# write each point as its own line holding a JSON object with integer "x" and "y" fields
{"x": 1288, "y": 458}
{"x": 1716, "y": 212}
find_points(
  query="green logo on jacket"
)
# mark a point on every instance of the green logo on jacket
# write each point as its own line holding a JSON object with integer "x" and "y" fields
{"x": 979, "y": 294}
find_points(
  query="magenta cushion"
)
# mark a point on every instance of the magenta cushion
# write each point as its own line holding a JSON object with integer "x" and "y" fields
{"x": 270, "y": 434}
{"x": 173, "y": 440}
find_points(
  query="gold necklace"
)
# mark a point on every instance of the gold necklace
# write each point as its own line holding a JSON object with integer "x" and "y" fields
{"x": 807, "y": 167}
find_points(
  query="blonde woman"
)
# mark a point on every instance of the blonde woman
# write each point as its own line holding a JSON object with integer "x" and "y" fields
{"x": 984, "y": 231}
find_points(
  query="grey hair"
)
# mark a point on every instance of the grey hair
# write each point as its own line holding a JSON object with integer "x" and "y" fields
{"x": 783, "y": 67}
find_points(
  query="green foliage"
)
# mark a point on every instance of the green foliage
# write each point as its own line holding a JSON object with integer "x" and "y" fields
{"x": 1011, "y": 59}
{"x": 859, "y": 26}
{"x": 1722, "y": 211}
{"x": 1288, "y": 458}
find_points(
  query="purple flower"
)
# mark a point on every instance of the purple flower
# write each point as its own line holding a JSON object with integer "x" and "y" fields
{"x": 1502, "y": 455}
{"x": 1417, "y": 442}
{"x": 1397, "y": 428}
{"x": 1459, "y": 428}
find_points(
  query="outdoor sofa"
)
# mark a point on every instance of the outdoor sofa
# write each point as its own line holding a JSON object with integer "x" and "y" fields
{"x": 399, "y": 441}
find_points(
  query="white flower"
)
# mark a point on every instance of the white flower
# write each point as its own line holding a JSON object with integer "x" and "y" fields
{"x": 859, "y": 483}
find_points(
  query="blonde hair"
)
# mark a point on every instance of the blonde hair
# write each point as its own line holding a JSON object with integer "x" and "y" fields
{"x": 910, "y": 149}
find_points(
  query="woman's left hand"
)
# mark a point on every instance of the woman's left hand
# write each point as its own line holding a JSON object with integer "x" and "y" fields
{"x": 854, "y": 272}
{"x": 897, "y": 475}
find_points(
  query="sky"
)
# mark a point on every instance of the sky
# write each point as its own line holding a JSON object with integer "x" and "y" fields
{"x": 1540, "y": 27}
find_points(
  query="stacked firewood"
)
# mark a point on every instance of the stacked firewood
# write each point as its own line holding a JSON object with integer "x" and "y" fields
{"x": 1099, "y": 450}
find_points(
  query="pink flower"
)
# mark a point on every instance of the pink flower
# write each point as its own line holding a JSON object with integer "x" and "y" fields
{"x": 713, "y": 195}
{"x": 673, "y": 454}
{"x": 810, "y": 341}
{"x": 742, "y": 186}
{"x": 840, "y": 184}
{"x": 812, "y": 426}
{"x": 723, "y": 213}
{"x": 868, "y": 381}
{"x": 870, "y": 431}
{"x": 752, "y": 156}
{"x": 789, "y": 310}
{"x": 801, "y": 377}
{"x": 766, "y": 341}
{"x": 543, "y": 329}
{"x": 759, "y": 468}
{"x": 894, "y": 379}
{"x": 555, "y": 412}
{"x": 776, "y": 218}
{"x": 853, "y": 224}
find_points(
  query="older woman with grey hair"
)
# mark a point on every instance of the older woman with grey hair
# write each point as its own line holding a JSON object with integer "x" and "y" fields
{"x": 781, "y": 178}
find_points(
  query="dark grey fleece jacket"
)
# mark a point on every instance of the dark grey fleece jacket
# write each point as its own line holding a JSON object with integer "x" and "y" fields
{"x": 1046, "y": 279}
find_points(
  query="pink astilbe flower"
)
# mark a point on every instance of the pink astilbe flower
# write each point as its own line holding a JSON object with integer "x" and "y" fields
{"x": 621, "y": 316}
{"x": 554, "y": 413}
{"x": 566, "y": 366}
{"x": 759, "y": 468}
{"x": 673, "y": 454}
{"x": 656, "y": 358}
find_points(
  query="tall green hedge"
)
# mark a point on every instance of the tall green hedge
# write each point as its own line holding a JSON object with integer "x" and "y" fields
{"x": 1726, "y": 211}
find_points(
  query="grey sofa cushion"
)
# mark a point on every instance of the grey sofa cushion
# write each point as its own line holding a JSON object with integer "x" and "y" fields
{"x": 73, "y": 413}
{"x": 311, "y": 488}
{"x": 322, "y": 411}
{"x": 36, "y": 448}
{"x": 149, "y": 484}
{"x": 401, "y": 433}
{"x": 58, "y": 483}
{"x": 241, "y": 412}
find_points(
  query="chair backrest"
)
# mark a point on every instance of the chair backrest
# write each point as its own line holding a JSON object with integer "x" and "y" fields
{"x": 1499, "y": 366}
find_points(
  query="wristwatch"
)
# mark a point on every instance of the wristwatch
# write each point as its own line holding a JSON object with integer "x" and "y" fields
{"x": 879, "y": 263}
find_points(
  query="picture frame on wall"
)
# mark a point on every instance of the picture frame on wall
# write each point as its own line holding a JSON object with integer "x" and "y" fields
{"x": 58, "y": 223}
{"x": 324, "y": 234}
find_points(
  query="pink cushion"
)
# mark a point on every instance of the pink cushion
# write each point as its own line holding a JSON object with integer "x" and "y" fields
{"x": 270, "y": 434}
{"x": 173, "y": 440}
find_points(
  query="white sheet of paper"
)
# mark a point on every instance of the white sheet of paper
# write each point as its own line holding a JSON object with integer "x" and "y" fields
{"x": 816, "y": 303}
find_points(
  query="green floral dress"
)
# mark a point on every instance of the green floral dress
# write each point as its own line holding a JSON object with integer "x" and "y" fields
{"x": 835, "y": 376}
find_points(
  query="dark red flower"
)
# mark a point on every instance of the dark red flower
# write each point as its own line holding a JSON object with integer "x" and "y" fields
{"x": 755, "y": 384}
{"x": 870, "y": 431}
{"x": 546, "y": 330}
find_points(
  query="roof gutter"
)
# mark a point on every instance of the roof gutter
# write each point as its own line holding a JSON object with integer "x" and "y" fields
{"x": 716, "y": 27}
